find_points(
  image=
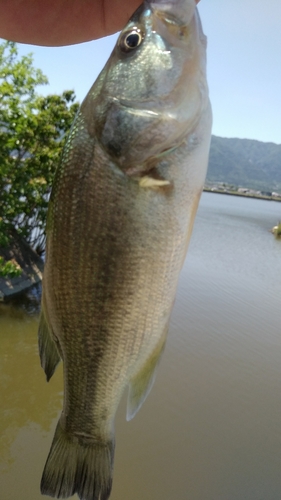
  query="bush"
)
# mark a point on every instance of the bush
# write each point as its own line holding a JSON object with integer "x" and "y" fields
{"x": 9, "y": 269}
{"x": 32, "y": 135}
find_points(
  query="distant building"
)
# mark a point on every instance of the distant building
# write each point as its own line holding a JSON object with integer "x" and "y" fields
{"x": 266, "y": 193}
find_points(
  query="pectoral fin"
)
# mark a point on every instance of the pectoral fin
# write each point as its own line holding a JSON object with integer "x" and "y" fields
{"x": 48, "y": 351}
{"x": 142, "y": 382}
{"x": 151, "y": 182}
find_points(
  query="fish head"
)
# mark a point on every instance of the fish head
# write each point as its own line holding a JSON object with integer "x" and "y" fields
{"x": 153, "y": 89}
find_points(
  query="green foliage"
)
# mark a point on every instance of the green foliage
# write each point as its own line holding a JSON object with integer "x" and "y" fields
{"x": 4, "y": 237}
{"x": 9, "y": 269}
{"x": 32, "y": 130}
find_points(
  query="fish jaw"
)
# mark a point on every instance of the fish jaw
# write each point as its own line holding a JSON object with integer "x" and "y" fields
{"x": 148, "y": 101}
{"x": 180, "y": 10}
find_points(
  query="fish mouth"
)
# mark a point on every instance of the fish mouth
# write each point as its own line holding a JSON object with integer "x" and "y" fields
{"x": 178, "y": 11}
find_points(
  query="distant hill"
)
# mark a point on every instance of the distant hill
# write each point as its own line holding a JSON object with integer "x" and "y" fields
{"x": 245, "y": 163}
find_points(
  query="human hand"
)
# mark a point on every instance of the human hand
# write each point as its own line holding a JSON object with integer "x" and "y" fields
{"x": 63, "y": 22}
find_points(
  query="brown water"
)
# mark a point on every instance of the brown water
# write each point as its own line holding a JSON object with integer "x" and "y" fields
{"x": 211, "y": 427}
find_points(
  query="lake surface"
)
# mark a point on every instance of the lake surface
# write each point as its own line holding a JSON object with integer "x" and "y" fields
{"x": 211, "y": 427}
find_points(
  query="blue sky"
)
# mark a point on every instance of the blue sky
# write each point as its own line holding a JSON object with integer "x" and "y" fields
{"x": 244, "y": 66}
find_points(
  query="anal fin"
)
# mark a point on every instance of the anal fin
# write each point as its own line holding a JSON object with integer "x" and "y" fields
{"x": 48, "y": 351}
{"x": 142, "y": 382}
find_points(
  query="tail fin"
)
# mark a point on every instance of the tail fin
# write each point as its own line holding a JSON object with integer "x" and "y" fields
{"x": 79, "y": 466}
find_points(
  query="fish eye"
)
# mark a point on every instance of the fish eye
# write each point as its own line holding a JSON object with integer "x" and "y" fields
{"x": 130, "y": 40}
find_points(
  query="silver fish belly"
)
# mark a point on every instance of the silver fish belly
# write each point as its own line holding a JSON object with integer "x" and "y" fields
{"x": 120, "y": 217}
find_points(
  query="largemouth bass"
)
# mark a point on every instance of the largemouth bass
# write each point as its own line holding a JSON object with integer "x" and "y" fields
{"x": 120, "y": 218}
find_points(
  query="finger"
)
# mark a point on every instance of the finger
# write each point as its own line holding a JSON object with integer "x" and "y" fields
{"x": 63, "y": 22}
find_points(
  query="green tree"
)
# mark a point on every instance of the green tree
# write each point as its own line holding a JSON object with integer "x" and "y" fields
{"x": 32, "y": 132}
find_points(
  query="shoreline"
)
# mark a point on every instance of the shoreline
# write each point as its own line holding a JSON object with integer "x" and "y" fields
{"x": 244, "y": 195}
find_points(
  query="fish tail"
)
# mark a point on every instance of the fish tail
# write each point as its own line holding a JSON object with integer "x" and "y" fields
{"x": 77, "y": 465}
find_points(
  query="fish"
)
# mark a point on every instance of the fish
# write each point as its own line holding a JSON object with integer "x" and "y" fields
{"x": 120, "y": 217}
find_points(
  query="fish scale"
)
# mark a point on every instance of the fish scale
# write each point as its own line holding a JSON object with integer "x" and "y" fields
{"x": 120, "y": 217}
